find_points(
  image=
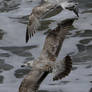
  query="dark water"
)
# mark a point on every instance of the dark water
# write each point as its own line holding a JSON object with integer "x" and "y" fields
{"x": 14, "y": 51}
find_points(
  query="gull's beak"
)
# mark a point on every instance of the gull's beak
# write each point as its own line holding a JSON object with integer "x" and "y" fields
{"x": 76, "y": 11}
{"x": 74, "y": 8}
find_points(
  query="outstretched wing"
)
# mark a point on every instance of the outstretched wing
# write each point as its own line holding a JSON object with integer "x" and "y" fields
{"x": 37, "y": 13}
{"x": 32, "y": 26}
{"x": 62, "y": 68}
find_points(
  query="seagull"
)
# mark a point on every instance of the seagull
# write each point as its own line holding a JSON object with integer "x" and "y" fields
{"x": 59, "y": 69}
{"x": 40, "y": 11}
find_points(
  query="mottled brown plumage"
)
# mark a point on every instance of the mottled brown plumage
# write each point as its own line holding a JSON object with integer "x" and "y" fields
{"x": 53, "y": 40}
{"x": 67, "y": 66}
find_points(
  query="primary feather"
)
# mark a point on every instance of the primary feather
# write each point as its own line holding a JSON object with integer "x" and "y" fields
{"x": 62, "y": 68}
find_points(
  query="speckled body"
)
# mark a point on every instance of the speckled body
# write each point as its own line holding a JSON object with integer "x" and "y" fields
{"x": 49, "y": 52}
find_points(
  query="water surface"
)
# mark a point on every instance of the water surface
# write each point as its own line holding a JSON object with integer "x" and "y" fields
{"x": 14, "y": 51}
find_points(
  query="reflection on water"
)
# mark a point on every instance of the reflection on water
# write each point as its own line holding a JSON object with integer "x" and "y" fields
{"x": 86, "y": 41}
{"x": 23, "y": 19}
{"x": 85, "y": 3}
{"x": 78, "y": 43}
{"x": 20, "y": 51}
{"x": 1, "y": 79}
{"x": 8, "y": 5}
{"x": 4, "y": 55}
{"x": 21, "y": 72}
{"x": 4, "y": 66}
{"x": 1, "y": 34}
{"x": 84, "y": 33}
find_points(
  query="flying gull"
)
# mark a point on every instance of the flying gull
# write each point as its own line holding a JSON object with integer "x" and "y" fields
{"x": 58, "y": 69}
{"x": 44, "y": 8}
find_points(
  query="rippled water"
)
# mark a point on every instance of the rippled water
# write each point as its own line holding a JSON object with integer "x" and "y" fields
{"x": 14, "y": 51}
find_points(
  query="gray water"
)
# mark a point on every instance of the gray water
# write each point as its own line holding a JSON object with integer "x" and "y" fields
{"x": 14, "y": 51}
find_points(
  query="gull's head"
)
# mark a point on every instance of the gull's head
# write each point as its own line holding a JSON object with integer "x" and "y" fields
{"x": 70, "y": 5}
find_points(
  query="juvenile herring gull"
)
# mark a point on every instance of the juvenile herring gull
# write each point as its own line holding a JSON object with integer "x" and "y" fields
{"x": 40, "y": 11}
{"x": 47, "y": 62}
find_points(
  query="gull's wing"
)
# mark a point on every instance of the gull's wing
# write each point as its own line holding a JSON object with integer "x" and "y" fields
{"x": 62, "y": 68}
{"x": 34, "y": 18}
{"x": 32, "y": 26}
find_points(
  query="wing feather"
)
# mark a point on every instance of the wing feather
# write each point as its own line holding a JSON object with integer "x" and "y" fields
{"x": 27, "y": 35}
{"x": 34, "y": 18}
{"x": 32, "y": 26}
{"x": 62, "y": 68}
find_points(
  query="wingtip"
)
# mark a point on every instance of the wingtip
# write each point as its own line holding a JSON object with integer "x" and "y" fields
{"x": 27, "y": 35}
{"x": 67, "y": 70}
